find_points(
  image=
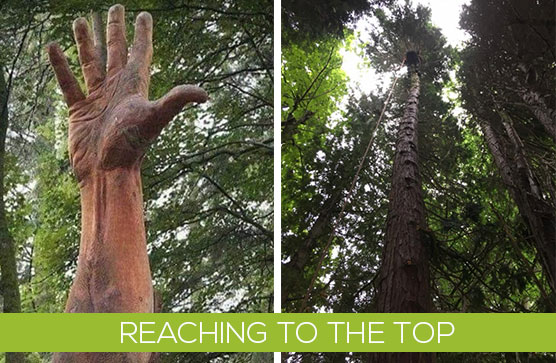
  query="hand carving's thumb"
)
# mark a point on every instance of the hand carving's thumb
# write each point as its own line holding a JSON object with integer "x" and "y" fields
{"x": 172, "y": 103}
{"x": 169, "y": 106}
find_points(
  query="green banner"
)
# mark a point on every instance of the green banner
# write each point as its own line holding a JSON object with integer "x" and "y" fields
{"x": 278, "y": 332}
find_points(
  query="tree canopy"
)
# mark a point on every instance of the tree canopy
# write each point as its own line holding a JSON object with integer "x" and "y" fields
{"x": 488, "y": 195}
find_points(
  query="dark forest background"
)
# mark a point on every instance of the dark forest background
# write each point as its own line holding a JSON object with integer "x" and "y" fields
{"x": 486, "y": 159}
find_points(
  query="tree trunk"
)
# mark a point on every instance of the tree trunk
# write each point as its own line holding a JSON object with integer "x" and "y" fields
{"x": 498, "y": 154}
{"x": 403, "y": 281}
{"x": 9, "y": 285}
{"x": 535, "y": 101}
{"x": 545, "y": 115}
{"x": 538, "y": 215}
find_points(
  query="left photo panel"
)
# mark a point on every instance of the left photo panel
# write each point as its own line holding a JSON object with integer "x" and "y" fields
{"x": 136, "y": 162}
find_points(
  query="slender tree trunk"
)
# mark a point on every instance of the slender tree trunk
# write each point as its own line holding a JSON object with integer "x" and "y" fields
{"x": 537, "y": 106}
{"x": 403, "y": 281}
{"x": 497, "y": 153}
{"x": 9, "y": 285}
{"x": 535, "y": 101}
{"x": 539, "y": 216}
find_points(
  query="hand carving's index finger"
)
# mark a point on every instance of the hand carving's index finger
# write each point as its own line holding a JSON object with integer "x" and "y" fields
{"x": 90, "y": 62}
{"x": 69, "y": 85}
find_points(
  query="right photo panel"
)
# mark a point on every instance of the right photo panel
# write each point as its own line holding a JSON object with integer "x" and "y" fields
{"x": 418, "y": 162}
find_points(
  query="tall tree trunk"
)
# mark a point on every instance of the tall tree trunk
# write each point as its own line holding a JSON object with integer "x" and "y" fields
{"x": 497, "y": 151}
{"x": 534, "y": 100}
{"x": 537, "y": 106}
{"x": 9, "y": 285}
{"x": 538, "y": 215}
{"x": 403, "y": 282}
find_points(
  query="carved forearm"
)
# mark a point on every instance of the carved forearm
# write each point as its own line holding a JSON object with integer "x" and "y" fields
{"x": 113, "y": 266}
{"x": 109, "y": 129}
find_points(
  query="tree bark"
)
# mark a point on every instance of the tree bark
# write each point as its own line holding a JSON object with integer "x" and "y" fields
{"x": 403, "y": 281}
{"x": 9, "y": 285}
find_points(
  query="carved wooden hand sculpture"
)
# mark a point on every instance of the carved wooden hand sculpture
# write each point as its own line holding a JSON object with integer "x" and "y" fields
{"x": 111, "y": 127}
{"x": 108, "y": 132}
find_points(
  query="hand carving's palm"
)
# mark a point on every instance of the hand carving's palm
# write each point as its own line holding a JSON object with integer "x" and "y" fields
{"x": 111, "y": 126}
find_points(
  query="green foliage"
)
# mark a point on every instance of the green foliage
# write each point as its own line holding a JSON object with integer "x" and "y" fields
{"x": 481, "y": 258}
{"x": 56, "y": 236}
{"x": 312, "y": 87}
{"x": 510, "y": 53}
{"x": 312, "y": 20}
{"x": 404, "y": 29}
